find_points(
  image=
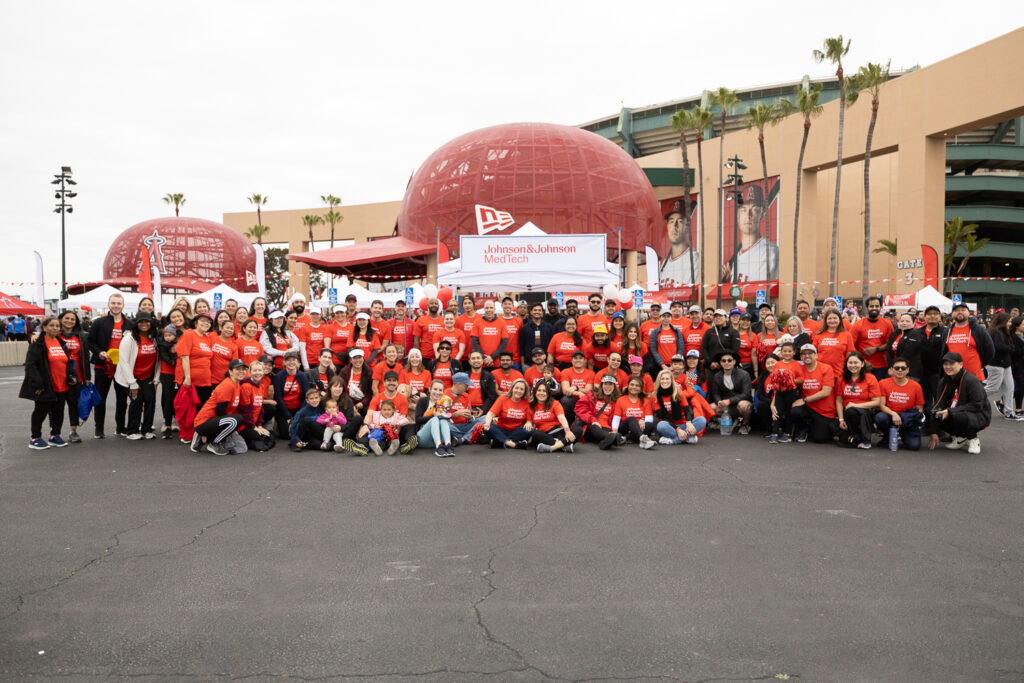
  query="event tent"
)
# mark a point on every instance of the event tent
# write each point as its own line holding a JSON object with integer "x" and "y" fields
{"x": 226, "y": 292}
{"x": 12, "y": 305}
{"x": 927, "y": 296}
{"x": 97, "y": 299}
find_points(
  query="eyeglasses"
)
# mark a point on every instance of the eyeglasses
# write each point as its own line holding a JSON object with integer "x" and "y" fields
{"x": 900, "y": 368}
{"x": 727, "y": 360}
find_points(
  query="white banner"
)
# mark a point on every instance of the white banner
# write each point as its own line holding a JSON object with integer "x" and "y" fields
{"x": 553, "y": 253}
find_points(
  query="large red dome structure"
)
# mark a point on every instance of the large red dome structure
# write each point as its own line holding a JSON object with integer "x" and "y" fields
{"x": 563, "y": 179}
{"x": 191, "y": 253}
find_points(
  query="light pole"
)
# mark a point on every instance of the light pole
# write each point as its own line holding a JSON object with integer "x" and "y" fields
{"x": 63, "y": 194}
{"x": 735, "y": 164}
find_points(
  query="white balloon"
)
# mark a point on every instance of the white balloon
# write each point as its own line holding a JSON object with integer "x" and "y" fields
{"x": 610, "y": 291}
{"x": 625, "y": 295}
{"x": 430, "y": 291}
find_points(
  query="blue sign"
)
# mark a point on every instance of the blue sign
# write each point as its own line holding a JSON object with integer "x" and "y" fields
{"x": 839, "y": 300}
{"x": 218, "y": 301}
{"x": 958, "y": 299}
{"x": 409, "y": 297}
{"x": 761, "y": 297}
{"x": 560, "y": 298}
{"x": 638, "y": 298}
{"x": 332, "y": 295}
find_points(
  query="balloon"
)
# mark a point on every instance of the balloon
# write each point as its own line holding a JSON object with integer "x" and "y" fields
{"x": 627, "y": 304}
{"x": 423, "y": 303}
{"x": 610, "y": 291}
{"x": 445, "y": 295}
{"x": 625, "y": 295}
{"x": 430, "y": 291}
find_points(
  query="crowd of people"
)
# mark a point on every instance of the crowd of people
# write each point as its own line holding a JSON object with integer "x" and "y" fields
{"x": 517, "y": 375}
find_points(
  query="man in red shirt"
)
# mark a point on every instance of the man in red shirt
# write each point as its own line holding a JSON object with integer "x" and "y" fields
{"x": 692, "y": 330}
{"x": 402, "y": 330}
{"x": 298, "y": 302}
{"x": 651, "y": 324}
{"x": 467, "y": 321}
{"x": 381, "y": 327}
{"x": 314, "y": 337}
{"x": 970, "y": 340}
{"x": 902, "y": 405}
{"x": 587, "y": 321}
{"x": 489, "y": 336}
{"x": 870, "y": 335}
{"x": 505, "y": 374}
{"x": 513, "y": 323}
{"x": 425, "y": 327}
{"x": 814, "y": 413}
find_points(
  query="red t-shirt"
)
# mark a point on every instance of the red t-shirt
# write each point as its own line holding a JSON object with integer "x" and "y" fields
{"x": 402, "y": 333}
{"x": 58, "y": 365}
{"x": 260, "y": 323}
{"x": 510, "y": 414}
{"x": 444, "y": 372}
{"x": 766, "y": 343}
{"x": 341, "y": 336}
{"x": 145, "y": 359}
{"x": 866, "y": 333}
{"x": 693, "y": 336}
{"x": 224, "y": 351}
{"x": 832, "y": 349}
{"x": 858, "y": 392}
{"x": 73, "y": 344}
{"x": 368, "y": 346}
{"x": 461, "y": 402}
{"x": 252, "y": 395}
{"x": 417, "y": 381}
{"x": 748, "y": 342}
{"x": 291, "y": 393}
{"x": 794, "y": 367}
{"x": 454, "y": 337}
{"x": 199, "y": 352}
{"x": 578, "y": 380}
{"x": 597, "y": 354}
{"x": 476, "y": 397}
{"x": 424, "y": 328}
{"x": 647, "y": 328}
{"x": 511, "y": 327}
{"x": 504, "y": 381}
{"x": 665, "y": 343}
{"x": 382, "y": 367}
{"x": 115, "y": 336}
{"x": 561, "y": 347}
{"x": 315, "y": 340}
{"x": 534, "y": 373}
{"x": 626, "y": 408}
{"x": 400, "y": 401}
{"x": 490, "y": 333}
{"x": 225, "y": 392}
{"x": 382, "y": 329}
{"x": 249, "y": 351}
{"x": 300, "y": 323}
{"x": 961, "y": 341}
{"x": 546, "y": 419}
{"x": 814, "y": 381}
{"x": 648, "y": 383}
{"x": 901, "y": 399}
{"x": 586, "y": 323}
{"x": 466, "y": 323}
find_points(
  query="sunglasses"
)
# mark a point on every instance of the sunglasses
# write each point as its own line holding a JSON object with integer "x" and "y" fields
{"x": 900, "y": 368}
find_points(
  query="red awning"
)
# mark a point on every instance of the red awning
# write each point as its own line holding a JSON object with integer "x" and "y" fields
{"x": 389, "y": 258}
{"x": 12, "y": 305}
{"x": 132, "y": 283}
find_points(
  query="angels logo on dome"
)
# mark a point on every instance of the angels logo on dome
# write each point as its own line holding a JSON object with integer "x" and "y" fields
{"x": 489, "y": 220}
{"x": 155, "y": 243}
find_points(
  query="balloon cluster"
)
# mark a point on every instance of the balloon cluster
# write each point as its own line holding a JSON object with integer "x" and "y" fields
{"x": 444, "y": 295}
{"x": 623, "y": 297}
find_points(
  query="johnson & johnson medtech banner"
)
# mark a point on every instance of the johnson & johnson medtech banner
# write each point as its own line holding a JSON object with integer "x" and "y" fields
{"x": 555, "y": 253}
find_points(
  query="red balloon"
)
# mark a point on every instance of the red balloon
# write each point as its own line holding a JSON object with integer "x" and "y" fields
{"x": 626, "y": 306}
{"x": 445, "y": 295}
{"x": 423, "y": 303}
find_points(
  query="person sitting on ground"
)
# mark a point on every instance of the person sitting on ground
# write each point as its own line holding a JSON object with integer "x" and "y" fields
{"x": 465, "y": 421}
{"x": 577, "y": 382}
{"x": 506, "y": 421}
{"x": 218, "y": 419}
{"x": 902, "y": 404}
{"x": 333, "y": 422}
{"x": 730, "y": 391}
{"x": 551, "y": 430}
{"x": 434, "y": 414}
{"x": 303, "y": 429}
{"x": 320, "y": 375}
{"x": 961, "y": 407}
{"x": 386, "y": 429}
{"x": 673, "y": 415}
{"x": 632, "y": 416}
{"x": 813, "y": 414}
{"x": 358, "y": 380}
{"x": 594, "y": 413}
{"x": 857, "y": 398}
{"x": 290, "y": 386}
{"x": 253, "y": 402}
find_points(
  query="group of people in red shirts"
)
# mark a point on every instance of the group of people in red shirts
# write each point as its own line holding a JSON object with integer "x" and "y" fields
{"x": 529, "y": 376}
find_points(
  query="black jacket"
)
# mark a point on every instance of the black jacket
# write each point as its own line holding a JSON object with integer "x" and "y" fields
{"x": 1017, "y": 357}
{"x": 981, "y": 340}
{"x": 99, "y": 336}
{"x": 740, "y": 387}
{"x": 717, "y": 340}
{"x": 167, "y": 351}
{"x": 528, "y": 340}
{"x": 971, "y": 399}
{"x": 910, "y": 348}
{"x": 313, "y": 374}
{"x": 932, "y": 349}
{"x": 37, "y": 372}
{"x": 82, "y": 361}
{"x": 488, "y": 388}
{"x": 1002, "y": 350}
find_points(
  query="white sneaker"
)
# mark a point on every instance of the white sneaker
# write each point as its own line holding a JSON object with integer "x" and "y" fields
{"x": 666, "y": 441}
{"x": 646, "y": 442}
{"x": 974, "y": 446}
{"x": 957, "y": 443}
{"x": 134, "y": 437}
{"x": 149, "y": 435}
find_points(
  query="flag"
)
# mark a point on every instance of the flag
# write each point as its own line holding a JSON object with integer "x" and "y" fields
{"x": 145, "y": 279}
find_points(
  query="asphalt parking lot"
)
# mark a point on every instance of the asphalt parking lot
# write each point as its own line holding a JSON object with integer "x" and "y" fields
{"x": 730, "y": 560}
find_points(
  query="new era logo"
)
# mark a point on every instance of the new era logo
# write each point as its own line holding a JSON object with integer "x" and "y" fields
{"x": 488, "y": 219}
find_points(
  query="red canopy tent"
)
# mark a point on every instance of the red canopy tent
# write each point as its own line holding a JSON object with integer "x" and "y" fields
{"x": 389, "y": 258}
{"x": 10, "y": 305}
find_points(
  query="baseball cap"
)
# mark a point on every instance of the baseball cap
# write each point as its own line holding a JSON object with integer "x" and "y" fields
{"x": 933, "y": 307}
{"x": 959, "y": 304}
{"x": 636, "y": 360}
{"x": 351, "y": 297}
{"x": 390, "y": 374}
{"x": 537, "y": 350}
{"x": 720, "y": 311}
{"x": 694, "y": 309}
{"x": 291, "y": 354}
{"x": 665, "y": 314}
{"x": 952, "y": 357}
{"x": 735, "y": 310}
{"x": 678, "y": 356}
{"x": 314, "y": 310}
{"x": 609, "y": 378}
{"x": 808, "y": 347}
{"x": 354, "y": 353}
{"x": 832, "y": 299}
{"x": 460, "y": 378}
{"x": 677, "y": 207}
{"x": 765, "y": 305}
{"x": 362, "y": 316}
{"x": 275, "y": 315}
{"x": 266, "y": 358}
{"x": 692, "y": 353}
{"x": 578, "y": 353}
{"x": 618, "y": 314}
{"x": 237, "y": 363}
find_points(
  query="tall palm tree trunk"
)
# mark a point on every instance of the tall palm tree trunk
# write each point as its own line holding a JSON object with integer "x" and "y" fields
{"x": 796, "y": 214}
{"x": 833, "y": 263}
{"x": 687, "y": 221}
{"x": 721, "y": 212}
{"x": 867, "y": 194}
{"x": 700, "y": 198}
{"x": 764, "y": 214}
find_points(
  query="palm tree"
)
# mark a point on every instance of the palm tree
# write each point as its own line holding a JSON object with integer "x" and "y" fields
{"x": 177, "y": 198}
{"x": 957, "y": 236}
{"x": 258, "y": 200}
{"x": 886, "y": 247}
{"x": 835, "y": 50}
{"x": 869, "y": 77}
{"x": 310, "y": 221}
{"x": 332, "y": 216}
{"x": 807, "y": 105}
{"x": 257, "y": 232}
{"x": 725, "y": 99}
{"x": 759, "y": 116}
{"x": 702, "y": 119}
{"x": 682, "y": 121}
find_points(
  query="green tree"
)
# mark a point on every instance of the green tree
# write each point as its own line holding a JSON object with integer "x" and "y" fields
{"x": 725, "y": 99}
{"x": 869, "y": 77}
{"x": 332, "y": 217}
{"x": 310, "y": 222}
{"x": 258, "y": 201}
{"x": 177, "y": 199}
{"x": 276, "y": 267}
{"x": 682, "y": 121}
{"x": 807, "y": 105}
{"x": 834, "y": 51}
{"x": 886, "y": 247}
{"x": 760, "y": 116}
{"x": 959, "y": 236}
{"x": 257, "y": 232}
{"x": 702, "y": 119}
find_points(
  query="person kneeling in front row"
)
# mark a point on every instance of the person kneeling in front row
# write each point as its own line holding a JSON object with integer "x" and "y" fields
{"x": 902, "y": 405}
{"x": 961, "y": 408}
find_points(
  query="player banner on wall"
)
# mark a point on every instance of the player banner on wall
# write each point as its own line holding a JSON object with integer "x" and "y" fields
{"x": 673, "y": 261}
{"x": 750, "y": 238}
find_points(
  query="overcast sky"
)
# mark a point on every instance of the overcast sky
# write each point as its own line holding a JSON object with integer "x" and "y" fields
{"x": 219, "y": 100}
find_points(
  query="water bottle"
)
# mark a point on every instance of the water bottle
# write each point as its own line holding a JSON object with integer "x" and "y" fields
{"x": 894, "y": 438}
{"x": 725, "y": 424}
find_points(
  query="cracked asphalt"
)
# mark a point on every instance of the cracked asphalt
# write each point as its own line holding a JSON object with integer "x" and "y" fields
{"x": 728, "y": 561}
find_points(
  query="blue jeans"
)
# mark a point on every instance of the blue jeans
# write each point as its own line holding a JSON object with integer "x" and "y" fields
{"x": 501, "y": 436}
{"x": 435, "y": 432}
{"x": 910, "y": 430}
{"x": 666, "y": 428}
{"x": 462, "y": 430}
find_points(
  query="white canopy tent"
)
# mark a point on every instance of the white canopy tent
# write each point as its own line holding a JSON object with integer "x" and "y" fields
{"x": 96, "y": 299}
{"x": 532, "y": 272}
{"x": 921, "y": 299}
{"x": 226, "y": 292}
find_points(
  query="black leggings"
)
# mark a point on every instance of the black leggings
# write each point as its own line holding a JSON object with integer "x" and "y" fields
{"x": 219, "y": 427}
{"x": 104, "y": 384}
{"x": 819, "y": 428}
{"x": 860, "y": 423}
{"x": 53, "y": 409}
{"x": 632, "y": 429}
{"x": 141, "y": 409}
{"x": 1018, "y": 391}
{"x": 538, "y": 437}
{"x": 168, "y": 390}
{"x": 72, "y": 403}
{"x": 783, "y": 406}
{"x": 589, "y": 433}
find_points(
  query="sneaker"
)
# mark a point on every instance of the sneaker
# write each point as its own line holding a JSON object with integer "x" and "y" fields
{"x": 666, "y": 441}
{"x": 149, "y": 435}
{"x": 57, "y": 442}
{"x": 410, "y": 445}
{"x": 1001, "y": 407}
{"x": 216, "y": 448}
{"x": 393, "y": 447}
{"x": 134, "y": 437}
{"x": 692, "y": 439}
{"x": 569, "y": 448}
{"x": 974, "y": 446}
{"x": 38, "y": 444}
{"x": 375, "y": 447}
{"x": 338, "y": 448}
{"x": 73, "y": 437}
{"x": 957, "y": 443}
{"x": 543, "y": 448}
{"x": 121, "y": 433}
{"x": 1013, "y": 417}
{"x": 607, "y": 442}
{"x": 784, "y": 438}
{"x": 620, "y": 440}
{"x": 165, "y": 432}
{"x": 522, "y": 445}
{"x": 646, "y": 442}
{"x": 773, "y": 439}
{"x": 196, "y": 443}
{"x": 744, "y": 428}
{"x": 354, "y": 448}
{"x": 324, "y": 446}
{"x": 98, "y": 435}
{"x": 801, "y": 437}
{"x": 865, "y": 446}
{"x": 440, "y": 452}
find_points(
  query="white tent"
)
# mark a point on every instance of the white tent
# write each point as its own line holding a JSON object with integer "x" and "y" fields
{"x": 921, "y": 299}
{"x": 571, "y": 275}
{"x": 97, "y": 298}
{"x": 226, "y": 292}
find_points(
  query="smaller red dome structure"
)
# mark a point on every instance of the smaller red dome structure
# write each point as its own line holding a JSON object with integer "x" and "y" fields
{"x": 190, "y": 253}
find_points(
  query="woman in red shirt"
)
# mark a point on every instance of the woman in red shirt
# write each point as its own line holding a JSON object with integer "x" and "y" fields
{"x": 767, "y": 340}
{"x": 857, "y": 399}
{"x": 417, "y": 376}
{"x": 194, "y": 355}
{"x": 46, "y": 383}
{"x": 222, "y": 344}
{"x": 594, "y": 415}
{"x": 139, "y": 372}
{"x": 506, "y": 421}
{"x": 258, "y": 312}
{"x": 564, "y": 344}
{"x": 364, "y": 338}
{"x": 78, "y": 351}
{"x": 632, "y": 416}
{"x": 632, "y": 344}
{"x": 833, "y": 342}
{"x": 249, "y": 349}
{"x": 748, "y": 344}
{"x": 219, "y": 417}
{"x": 550, "y": 428}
